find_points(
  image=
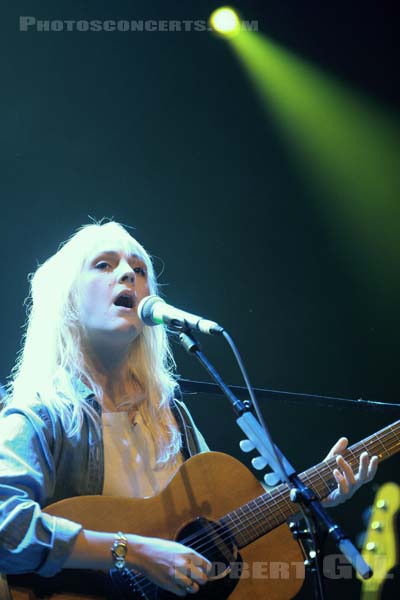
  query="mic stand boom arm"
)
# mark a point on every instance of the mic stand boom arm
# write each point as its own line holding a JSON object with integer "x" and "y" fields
{"x": 299, "y": 493}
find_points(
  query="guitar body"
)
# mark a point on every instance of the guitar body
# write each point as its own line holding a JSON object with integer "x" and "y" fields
{"x": 208, "y": 485}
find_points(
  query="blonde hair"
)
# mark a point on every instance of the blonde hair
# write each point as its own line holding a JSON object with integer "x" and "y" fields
{"x": 53, "y": 360}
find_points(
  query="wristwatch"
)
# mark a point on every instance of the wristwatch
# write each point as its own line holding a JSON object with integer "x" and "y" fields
{"x": 119, "y": 550}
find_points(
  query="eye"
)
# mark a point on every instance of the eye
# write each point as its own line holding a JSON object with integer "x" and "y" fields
{"x": 140, "y": 271}
{"x": 102, "y": 265}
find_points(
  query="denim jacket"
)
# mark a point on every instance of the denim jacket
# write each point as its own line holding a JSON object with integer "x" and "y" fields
{"x": 39, "y": 465}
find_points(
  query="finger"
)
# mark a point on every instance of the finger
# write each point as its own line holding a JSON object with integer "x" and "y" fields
{"x": 346, "y": 470}
{"x": 176, "y": 589}
{"x": 363, "y": 468}
{"x": 207, "y": 567}
{"x": 196, "y": 574}
{"x": 189, "y": 586}
{"x": 201, "y": 561}
{"x": 373, "y": 465}
{"x": 192, "y": 588}
{"x": 198, "y": 560}
{"x": 341, "y": 481}
{"x": 339, "y": 447}
{"x": 198, "y": 564}
{"x": 184, "y": 585}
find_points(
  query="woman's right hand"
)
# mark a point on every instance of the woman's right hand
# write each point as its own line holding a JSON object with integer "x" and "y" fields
{"x": 169, "y": 565}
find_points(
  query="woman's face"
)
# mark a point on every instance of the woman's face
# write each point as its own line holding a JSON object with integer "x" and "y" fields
{"x": 112, "y": 283}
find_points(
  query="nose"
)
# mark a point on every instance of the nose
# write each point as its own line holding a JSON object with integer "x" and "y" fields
{"x": 128, "y": 275}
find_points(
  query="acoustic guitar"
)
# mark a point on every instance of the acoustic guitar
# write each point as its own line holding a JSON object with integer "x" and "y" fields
{"x": 215, "y": 505}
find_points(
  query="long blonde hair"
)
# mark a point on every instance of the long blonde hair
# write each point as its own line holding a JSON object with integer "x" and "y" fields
{"x": 52, "y": 359}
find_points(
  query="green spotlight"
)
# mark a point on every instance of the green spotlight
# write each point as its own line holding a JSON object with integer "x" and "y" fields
{"x": 225, "y": 21}
{"x": 346, "y": 145}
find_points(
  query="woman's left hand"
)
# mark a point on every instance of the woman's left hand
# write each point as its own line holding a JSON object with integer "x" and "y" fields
{"x": 349, "y": 482}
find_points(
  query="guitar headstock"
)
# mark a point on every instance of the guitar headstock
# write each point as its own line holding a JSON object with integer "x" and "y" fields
{"x": 380, "y": 547}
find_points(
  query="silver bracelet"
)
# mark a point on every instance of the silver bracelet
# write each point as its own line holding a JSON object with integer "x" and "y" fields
{"x": 119, "y": 550}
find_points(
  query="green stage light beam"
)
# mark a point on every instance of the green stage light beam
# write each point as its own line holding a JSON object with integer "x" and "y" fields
{"x": 341, "y": 142}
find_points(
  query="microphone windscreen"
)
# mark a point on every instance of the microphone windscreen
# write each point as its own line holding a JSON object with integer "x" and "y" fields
{"x": 145, "y": 309}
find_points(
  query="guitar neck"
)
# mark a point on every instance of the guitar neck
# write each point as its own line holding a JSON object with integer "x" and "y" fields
{"x": 256, "y": 518}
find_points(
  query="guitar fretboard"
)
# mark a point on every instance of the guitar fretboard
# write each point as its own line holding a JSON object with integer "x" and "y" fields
{"x": 257, "y": 517}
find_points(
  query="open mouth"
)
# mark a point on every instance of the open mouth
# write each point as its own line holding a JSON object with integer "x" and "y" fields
{"x": 125, "y": 300}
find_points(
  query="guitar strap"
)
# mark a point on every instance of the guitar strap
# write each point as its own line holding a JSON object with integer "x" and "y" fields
{"x": 183, "y": 427}
{"x": 192, "y": 440}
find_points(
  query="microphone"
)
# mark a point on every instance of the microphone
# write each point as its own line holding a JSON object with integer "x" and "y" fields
{"x": 153, "y": 310}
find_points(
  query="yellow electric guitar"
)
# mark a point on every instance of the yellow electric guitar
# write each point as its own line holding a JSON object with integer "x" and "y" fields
{"x": 380, "y": 548}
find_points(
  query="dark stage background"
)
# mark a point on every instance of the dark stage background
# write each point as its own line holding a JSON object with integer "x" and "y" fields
{"x": 162, "y": 131}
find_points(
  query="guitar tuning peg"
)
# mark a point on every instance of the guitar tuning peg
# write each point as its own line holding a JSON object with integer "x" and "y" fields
{"x": 271, "y": 479}
{"x": 246, "y": 445}
{"x": 382, "y": 504}
{"x": 259, "y": 463}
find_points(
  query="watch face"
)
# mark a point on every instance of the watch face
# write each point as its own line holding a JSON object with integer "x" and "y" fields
{"x": 120, "y": 550}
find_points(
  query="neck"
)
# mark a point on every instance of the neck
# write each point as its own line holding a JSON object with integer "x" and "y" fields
{"x": 109, "y": 361}
{"x": 110, "y": 370}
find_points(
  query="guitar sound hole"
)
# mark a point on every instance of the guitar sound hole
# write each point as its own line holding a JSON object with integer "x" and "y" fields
{"x": 214, "y": 541}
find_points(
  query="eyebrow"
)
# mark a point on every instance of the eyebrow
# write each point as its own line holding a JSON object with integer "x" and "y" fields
{"x": 115, "y": 254}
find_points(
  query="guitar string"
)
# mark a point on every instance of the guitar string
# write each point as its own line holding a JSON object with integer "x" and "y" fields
{"x": 282, "y": 494}
{"x": 328, "y": 466}
{"x": 148, "y": 585}
{"x": 200, "y": 536}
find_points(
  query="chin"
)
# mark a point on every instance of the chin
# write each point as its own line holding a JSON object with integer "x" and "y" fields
{"x": 129, "y": 333}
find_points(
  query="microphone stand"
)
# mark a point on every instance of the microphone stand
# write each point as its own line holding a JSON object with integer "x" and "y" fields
{"x": 300, "y": 494}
